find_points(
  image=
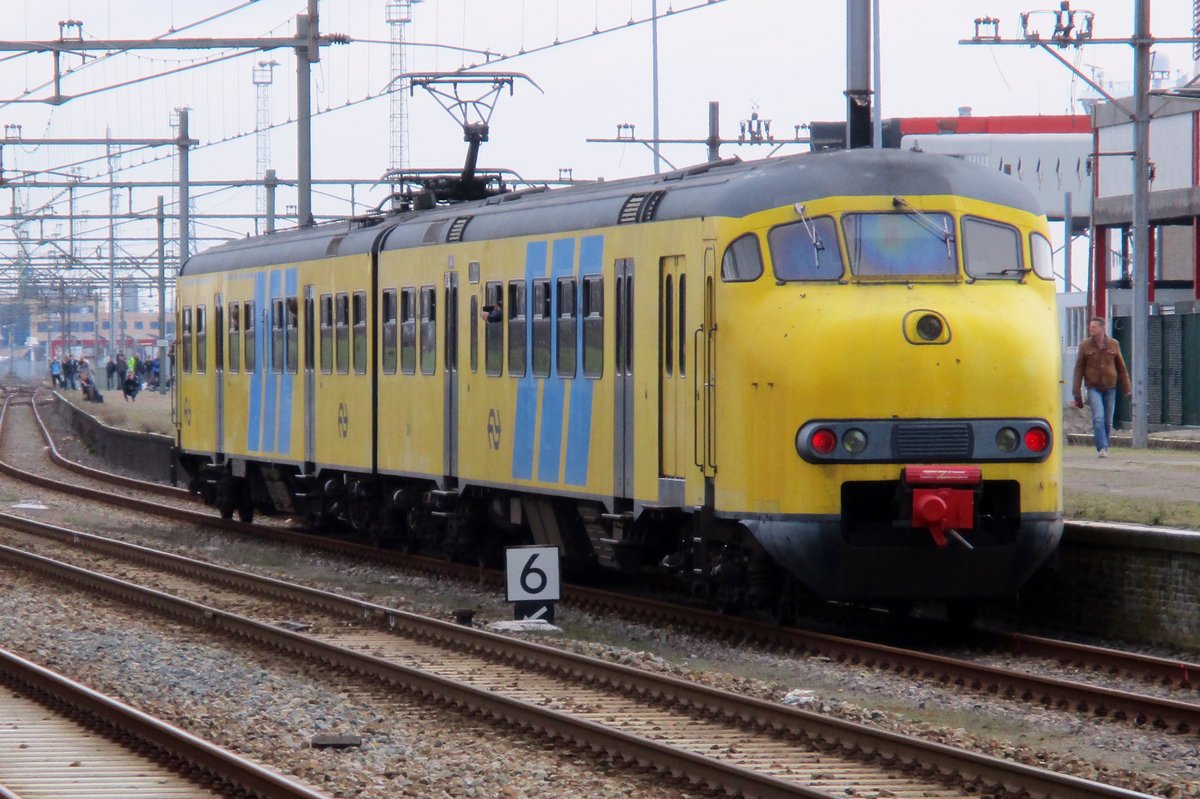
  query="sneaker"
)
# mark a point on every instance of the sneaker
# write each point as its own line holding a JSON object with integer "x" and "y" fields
{"x": 1103, "y": 453}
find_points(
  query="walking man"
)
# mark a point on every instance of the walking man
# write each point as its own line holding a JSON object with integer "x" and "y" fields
{"x": 1099, "y": 367}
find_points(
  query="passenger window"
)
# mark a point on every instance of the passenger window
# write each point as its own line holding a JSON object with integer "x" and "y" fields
{"x": 516, "y": 328}
{"x": 991, "y": 250}
{"x": 567, "y": 327}
{"x": 743, "y": 260}
{"x": 186, "y": 326}
{"x": 235, "y": 337}
{"x": 359, "y": 308}
{"x": 341, "y": 332}
{"x": 428, "y": 330}
{"x": 219, "y": 335}
{"x": 292, "y": 322}
{"x": 408, "y": 331}
{"x": 201, "y": 341}
{"x": 593, "y": 326}
{"x": 1042, "y": 255}
{"x": 327, "y": 333}
{"x": 251, "y": 337}
{"x": 493, "y": 331}
{"x": 806, "y": 250}
{"x": 276, "y": 336}
{"x": 541, "y": 328}
{"x": 388, "y": 313}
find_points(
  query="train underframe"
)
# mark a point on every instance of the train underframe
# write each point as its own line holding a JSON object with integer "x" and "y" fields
{"x": 774, "y": 566}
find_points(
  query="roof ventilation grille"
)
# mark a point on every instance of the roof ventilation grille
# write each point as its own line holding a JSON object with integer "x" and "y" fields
{"x": 456, "y": 228}
{"x": 629, "y": 211}
{"x": 640, "y": 207}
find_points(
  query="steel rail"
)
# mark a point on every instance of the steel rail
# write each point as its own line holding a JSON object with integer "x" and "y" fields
{"x": 865, "y": 742}
{"x": 104, "y": 714}
{"x": 96, "y": 474}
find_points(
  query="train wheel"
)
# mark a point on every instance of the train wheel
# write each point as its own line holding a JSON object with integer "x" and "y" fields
{"x": 245, "y": 505}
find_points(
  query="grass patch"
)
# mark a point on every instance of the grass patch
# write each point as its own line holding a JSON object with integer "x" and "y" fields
{"x": 1136, "y": 510}
{"x": 150, "y": 413}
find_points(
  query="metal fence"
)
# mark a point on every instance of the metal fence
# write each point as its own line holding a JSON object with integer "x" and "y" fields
{"x": 1173, "y": 353}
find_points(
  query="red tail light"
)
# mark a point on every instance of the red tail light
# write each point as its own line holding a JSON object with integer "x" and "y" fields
{"x": 1037, "y": 439}
{"x": 823, "y": 440}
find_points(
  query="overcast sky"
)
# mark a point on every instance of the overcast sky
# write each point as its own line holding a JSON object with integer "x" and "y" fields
{"x": 784, "y": 59}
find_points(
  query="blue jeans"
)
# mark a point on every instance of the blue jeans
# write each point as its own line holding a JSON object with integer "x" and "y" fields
{"x": 1103, "y": 404}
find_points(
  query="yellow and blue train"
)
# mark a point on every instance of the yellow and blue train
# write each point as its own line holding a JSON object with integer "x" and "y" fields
{"x": 833, "y": 371}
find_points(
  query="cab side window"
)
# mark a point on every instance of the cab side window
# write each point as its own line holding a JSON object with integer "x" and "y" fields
{"x": 742, "y": 260}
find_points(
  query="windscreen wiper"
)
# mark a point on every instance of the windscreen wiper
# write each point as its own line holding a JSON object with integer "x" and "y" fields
{"x": 817, "y": 244}
{"x": 943, "y": 232}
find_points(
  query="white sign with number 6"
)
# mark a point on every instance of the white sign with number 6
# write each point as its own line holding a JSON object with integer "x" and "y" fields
{"x": 532, "y": 573}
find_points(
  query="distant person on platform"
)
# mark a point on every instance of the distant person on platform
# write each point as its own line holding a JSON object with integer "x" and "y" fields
{"x": 110, "y": 372}
{"x": 56, "y": 372}
{"x": 88, "y": 387}
{"x": 1100, "y": 368}
{"x": 131, "y": 386}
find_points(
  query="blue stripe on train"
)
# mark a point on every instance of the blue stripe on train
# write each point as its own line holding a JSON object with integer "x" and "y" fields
{"x": 288, "y": 379}
{"x": 579, "y": 423}
{"x": 270, "y": 378}
{"x": 253, "y": 419}
{"x": 562, "y": 264}
{"x": 525, "y": 423}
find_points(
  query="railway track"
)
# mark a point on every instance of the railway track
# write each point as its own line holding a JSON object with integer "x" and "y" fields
{"x": 1044, "y": 689}
{"x": 731, "y": 743}
{"x": 61, "y": 740}
{"x": 1168, "y": 713}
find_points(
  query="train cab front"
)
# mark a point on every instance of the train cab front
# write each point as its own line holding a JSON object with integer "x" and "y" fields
{"x": 921, "y": 530}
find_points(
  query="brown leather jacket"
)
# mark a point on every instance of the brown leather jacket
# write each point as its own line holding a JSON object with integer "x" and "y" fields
{"x": 1100, "y": 366}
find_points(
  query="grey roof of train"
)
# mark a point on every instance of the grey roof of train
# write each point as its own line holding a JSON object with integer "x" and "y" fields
{"x": 726, "y": 189}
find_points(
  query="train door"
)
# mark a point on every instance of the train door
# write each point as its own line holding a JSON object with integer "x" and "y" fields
{"x": 310, "y": 378}
{"x": 673, "y": 365}
{"x": 705, "y": 364}
{"x": 623, "y": 380}
{"x": 219, "y": 369}
{"x": 450, "y": 427}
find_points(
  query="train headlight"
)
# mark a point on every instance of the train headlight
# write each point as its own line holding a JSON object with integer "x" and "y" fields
{"x": 929, "y": 327}
{"x": 1007, "y": 439}
{"x": 822, "y": 441}
{"x": 854, "y": 441}
{"x": 1037, "y": 439}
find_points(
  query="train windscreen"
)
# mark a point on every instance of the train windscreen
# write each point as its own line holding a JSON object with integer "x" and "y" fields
{"x": 901, "y": 244}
